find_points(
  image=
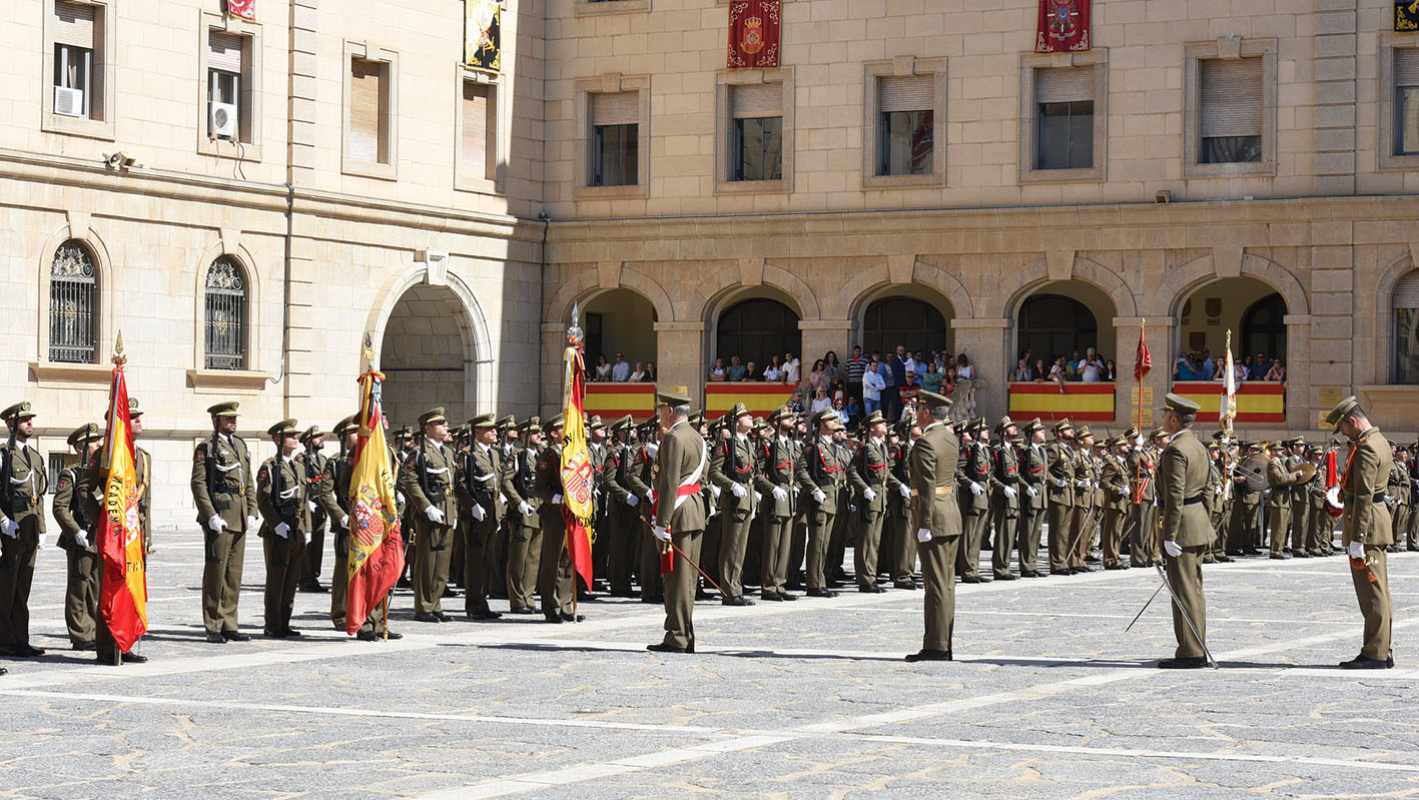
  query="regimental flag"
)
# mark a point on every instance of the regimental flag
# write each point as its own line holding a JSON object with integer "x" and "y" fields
{"x": 376, "y": 546}
{"x": 1406, "y": 15}
{"x": 754, "y": 33}
{"x": 483, "y": 35}
{"x": 1063, "y": 26}
{"x": 1228, "y": 411}
{"x": 1142, "y": 359}
{"x": 124, "y": 600}
{"x": 246, "y": 9}
{"x": 577, "y": 474}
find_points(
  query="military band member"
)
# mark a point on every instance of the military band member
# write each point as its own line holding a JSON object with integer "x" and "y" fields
{"x": 1322, "y": 524}
{"x": 316, "y": 473}
{"x": 1060, "y": 455}
{"x": 1005, "y": 499}
{"x": 1281, "y": 477}
{"x": 481, "y": 493}
{"x": 1186, "y": 530}
{"x": 1213, "y": 500}
{"x": 873, "y": 484}
{"x": 555, "y": 582}
{"x": 642, "y": 481}
{"x": 1113, "y": 479}
{"x": 818, "y": 471}
{"x": 936, "y": 523}
{"x": 1300, "y": 505}
{"x": 1367, "y": 529}
{"x": 224, "y": 492}
{"x": 734, "y": 469}
{"x": 525, "y": 545}
{"x": 679, "y": 522}
{"x": 1399, "y": 493}
{"x": 1246, "y": 512}
{"x": 78, "y": 522}
{"x": 427, "y": 478}
{"x": 282, "y": 498}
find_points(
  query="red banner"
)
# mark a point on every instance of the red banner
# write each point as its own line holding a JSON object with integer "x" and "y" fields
{"x": 754, "y": 33}
{"x": 1063, "y": 26}
{"x": 246, "y": 9}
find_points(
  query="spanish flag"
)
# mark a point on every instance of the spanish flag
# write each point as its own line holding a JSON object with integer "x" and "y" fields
{"x": 577, "y": 478}
{"x": 123, "y": 602}
{"x": 376, "y": 547}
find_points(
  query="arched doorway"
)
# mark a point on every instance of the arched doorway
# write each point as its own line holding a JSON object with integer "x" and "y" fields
{"x": 921, "y": 326}
{"x": 1251, "y": 310}
{"x": 1064, "y": 319}
{"x": 619, "y": 322}
{"x": 756, "y": 329}
{"x": 427, "y": 356}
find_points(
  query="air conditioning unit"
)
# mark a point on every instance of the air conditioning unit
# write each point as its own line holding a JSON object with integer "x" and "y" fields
{"x": 69, "y": 102}
{"x": 224, "y": 120}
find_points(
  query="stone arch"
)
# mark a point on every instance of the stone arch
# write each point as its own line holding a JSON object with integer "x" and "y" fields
{"x": 926, "y": 286}
{"x": 586, "y": 283}
{"x": 1181, "y": 281}
{"x": 1018, "y": 287}
{"x": 796, "y": 288}
{"x": 244, "y": 259}
{"x": 1384, "y": 316}
{"x": 582, "y": 282}
{"x": 81, "y": 231}
{"x": 727, "y": 298}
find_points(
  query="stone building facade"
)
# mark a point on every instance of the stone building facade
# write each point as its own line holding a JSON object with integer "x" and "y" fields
{"x": 376, "y": 186}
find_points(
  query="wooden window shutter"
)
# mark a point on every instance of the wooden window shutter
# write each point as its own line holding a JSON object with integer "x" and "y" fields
{"x": 909, "y": 93}
{"x": 1232, "y": 97}
{"x": 367, "y": 110}
{"x": 618, "y": 108}
{"x": 74, "y": 24}
{"x": 476, "y": 98}
{"x": 757, "y": 100}
{"x": 1064, "y": 84}
{"x": 224, "y": 51}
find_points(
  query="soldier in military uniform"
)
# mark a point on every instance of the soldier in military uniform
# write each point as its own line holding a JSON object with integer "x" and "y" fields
{"x": 1367, "y": 529}
{"x": 1399, "y": 493}
{"x": 143, "y": 468}
{"x": 1032, "y": 464}
{"x": 974, "y": 497}
{"x": 22, "y": 528}
{"x": 623, "y": 532}
{"x": 281, "y": 496}
{"x": 1186, "y": 530}
{"x": 555, "y": 582}
{"x": 734, "y": 470}
{"x": 1322, "y": 524}
{"x": 481, "y": 496}
{"x": 1139, "y": 527}
{"x": 78, "y": 522}
{"x": 1216, "y": 484}
{"x": 312, "y": 440}
{"x": 1281, "y": 477}
{"x": 224, "y": 492}
{"x": 641, "y": 479}
{"x": 679, "y": 521}
{"x": 1246, "y": 512}
{"x": 901, "y": 545}
{"x": 525, "y": 542}
{"x": 428, "y": 479}
{"x": 936, "y": 523}
{"x": 873, "y": 483}
{"x": 1082, "y": 522}
{"x": 508, "y": 440}
{"x": 1113, "y": 479}
{"x": 1300, "y": 507}
{"x": 1060, "y": 456}
{"x": 598, "y": 456}
{"x": 775, "y": 481}
{"x": 1005, "y": 499}
{"x": 338, "y": 472}
{"x": 818, "y": 471}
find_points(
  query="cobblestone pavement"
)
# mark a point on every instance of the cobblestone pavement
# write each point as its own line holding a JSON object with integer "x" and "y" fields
{"x": 1049, "y": 698}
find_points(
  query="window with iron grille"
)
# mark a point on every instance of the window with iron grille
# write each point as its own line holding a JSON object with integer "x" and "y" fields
{"x": 226, "y": 315}
{"x": 73, "y": 305}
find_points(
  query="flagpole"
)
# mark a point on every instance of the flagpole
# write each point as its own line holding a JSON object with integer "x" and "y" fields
{"x": 1142, "y": 331}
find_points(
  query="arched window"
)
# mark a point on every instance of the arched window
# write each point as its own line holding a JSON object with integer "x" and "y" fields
{"x": 903, "y": 320}
{"x": 1052, "y": 325}
{"x": 226, "y": 315}
{"x": 73, "y": 305}
{"x": 1405, "y": 302}
{"x": 756, "y": 329}
{"x": 1264, "y": 328}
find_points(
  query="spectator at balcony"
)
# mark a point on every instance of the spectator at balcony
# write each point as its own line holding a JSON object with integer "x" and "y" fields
{"x": 751, "y": 373}
{"x": 854, "y": 411}
{"x": 1277, "y": 372}
{"x": 820, "y": 401}
{"x": 717, "y": 372}
{"x": 934, "y": 377}
{"x": 791, "y": 369}
{"x": 1209, "y": 366}
{"x": 603, "y": 369}
{"x": 621, "y": 370}
{"x": 1260, "y": 365}
{"x": 1041, "y": 373}
{"x": 649, "y": 372}
{"x": 840, "y": 406}
{"x": 872, "y": 385}
{"x": 1059, "y": 373}
{"x": 638, "y": 374}
{"x": 832, "y": 367}
{"x": 1071, "y": 366}
{"x": 855, "y": 367}
{"x": 1186, "y": 370}
{"x": 1091, "y": 367}
{"x": 818, "y": 377}
{"x": 1110, "y": 371}
{"x": 964, "y": 370}
{"x": 773, "y": 373}
{"x": 1023, "y": 372}
{"x": 907, "y": 392}
{"x": 736, "y": 369}
{"x": 950, "y": 380}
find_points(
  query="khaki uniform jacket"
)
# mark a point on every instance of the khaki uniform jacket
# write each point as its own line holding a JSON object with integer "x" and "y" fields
{"x": 428, "y": 477}
{"x": 933, "y": 482}
{"x": 222, "y": 482}
{"x": 1086, "y": 473}
{"x": 29, "y": 481}
{"x": 1005, "y": 471}
{"x": 871, "y": 469}
{"x": 1367, "y": 519}
{"x": 520, "y": 486}
{"x": 1142, "y": 474}
{"x": 777, "y": 468}
{"x": 144, "y": 468}
{"x": 819, "y": 468}
{"x": 1034, "y": 465}
{"x": 734, "y": 462}
{"x": 620, "y": 462}
{"x": 977, "y": 470}
{"x": 1061, "y": 473}
{"x": 281, "y": 496}
{"x": 320, "y": 484}
{"x": 1182, "y": 477}
{"x": 1281, "y": 478}
{"x": 74, "y": 511}
{"x": 900, "y": 470}
{"x": 482, "y": 482}
{"x": 1113, "y": 478}
{"x": 547, "y": 486}
{"x": 681, "y": 460}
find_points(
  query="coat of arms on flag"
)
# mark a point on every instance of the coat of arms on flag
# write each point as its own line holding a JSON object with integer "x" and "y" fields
{"x": 754, "y": 27}
{"x": 1406, "y": 15}
{"x": 483, "y": 35}
{"x": 1063, "y": 26}
{"x": 245, "y": 9}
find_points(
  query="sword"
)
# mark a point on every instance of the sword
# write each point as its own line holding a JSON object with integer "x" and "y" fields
{"x": 1211, "y": 662}
{"x": 1145, "y": 607}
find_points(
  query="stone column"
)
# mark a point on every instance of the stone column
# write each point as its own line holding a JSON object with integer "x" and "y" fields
{"x": 1310, "y": 355}
{"x": 680, "y": 359}
{"x": 1159, "y": 336}
{"x": 822, "y": 335}
{"x": 554, "y": 341}
{"x": 983, "y": 342}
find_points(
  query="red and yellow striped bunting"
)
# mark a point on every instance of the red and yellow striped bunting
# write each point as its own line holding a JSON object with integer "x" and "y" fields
{"x": 760, "y": 398}
{"x": 615, "y": 400}
{"x": 1257, "y": 402}
{"x": 1086, "y": 402}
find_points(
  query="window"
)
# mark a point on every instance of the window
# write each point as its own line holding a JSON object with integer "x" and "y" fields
{"x": 1264, "y": 327}
{"x": 1065, "y": 114}
{"x": 225, "y": 324}
{"x": 371, "y": 96}
{"x": 757, "y": 329}
{"x": 228, "y": 112}
{"x": 1406, "y": 101}
{"x": 78, "y": 96}
{"x": 73, "y": 306}
{"x": 1052, "y": 325}
{"x": 479, "y": 119}
{"x": 1231, "y": 100}
{"x": 1405, "y": 303}
{"x": 615, "y": 144}
{"x": 756, "y": 149}
{"x": 906, "y": 125}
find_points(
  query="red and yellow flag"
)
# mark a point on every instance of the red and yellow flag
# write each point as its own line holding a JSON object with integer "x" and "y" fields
{"x": 376, "y": 547}
{"x": 123, "y": 602}
{"x": 577, "y": 478}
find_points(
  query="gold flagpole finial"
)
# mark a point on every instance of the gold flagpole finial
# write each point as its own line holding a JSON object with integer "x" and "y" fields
{"x": 119, "y": 357}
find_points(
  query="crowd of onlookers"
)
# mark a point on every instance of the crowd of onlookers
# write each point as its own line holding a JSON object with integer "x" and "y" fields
{"x": 621, "y": 371}
{"x": 1202, "y": 366}
{"x": 1092, "y": 367}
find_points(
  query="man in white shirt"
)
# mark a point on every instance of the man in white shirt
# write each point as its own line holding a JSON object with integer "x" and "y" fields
{"x": 1091, "y": 368}
{"x": 872, "y": 386}
{"x": 791, "y": 369}
{"x": 621, "y": 371}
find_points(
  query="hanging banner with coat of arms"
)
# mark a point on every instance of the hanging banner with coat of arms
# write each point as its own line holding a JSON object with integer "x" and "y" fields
{"x": 754, "y": 29}
{"x": 1063, "y": 27}
{"x": 246, "y": 9}
{"x": 483, "y": 35}
{"x": 1406, "y": 15}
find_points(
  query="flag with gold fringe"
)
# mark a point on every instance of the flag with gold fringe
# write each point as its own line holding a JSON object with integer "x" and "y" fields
{"x": 376, "y": 546}
{"x": 483, "y": 35}
{"x": 576, "y": 466}
{"x": 123, "y": 602}
{"x": 754, "y": 33}
{"x": 1406, "y": 15}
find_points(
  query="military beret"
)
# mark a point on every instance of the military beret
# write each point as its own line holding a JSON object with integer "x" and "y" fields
{"x": 482, "y": 421}
{"x": 1343, "y": 409}
{"x": 312, "y": 432}
{"x": 286, "y": 427}
{"x": 227, "y": 409}
{"x": 433, "y": 416}
{"x": 933, "y": 400}
{"x": 1179, "y": 404}
{"x": 87, "y": 431}
{"x": 672, "y": 399}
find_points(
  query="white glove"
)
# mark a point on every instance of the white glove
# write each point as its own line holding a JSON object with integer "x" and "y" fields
{"x": 632, "y": 500}
{"x": 738, "y": 490}
{"x": 1081, "y": 484}
{"x": 1356, "y": 550}
{"x": 780, "y": 494}
{"x": 923, "y": 535}
{"x": 523, "y": 508}
{"x": 1171, "y": 548}
{"x": 399, "y": 497}
{"x": 81, "y": 539}
{"x": 478, "y": 513}
{"x": 652, "y": 448}
{"x": 977, "y": 489}
{"x": 8, "y": 526}
{"x": 283, "y": 530}
{"x": 819, "y": 497}
{"x": 904, "y": 490}
{"x": 715, "y": 491}
{"x": 311, "y": 504}
{"x": 557, "y": 499}
{"x": 758, "y": 496}
{"x": 1060, "y": 482}
{"x": 596, "y": 493}
{"x": 650, "y": 496}
{"x": 1010, "y": 492}
{"x": 1031, "y": 490}
{"x": 345, "y": 522}
{"x": 434, "y": 514}
{"x": 215, "y": 523}
{"x": 253, "y": 521}
{"x": 43, "y": 540}
{"x": 663, "y": 534}
{"x": 869, "y": 494}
